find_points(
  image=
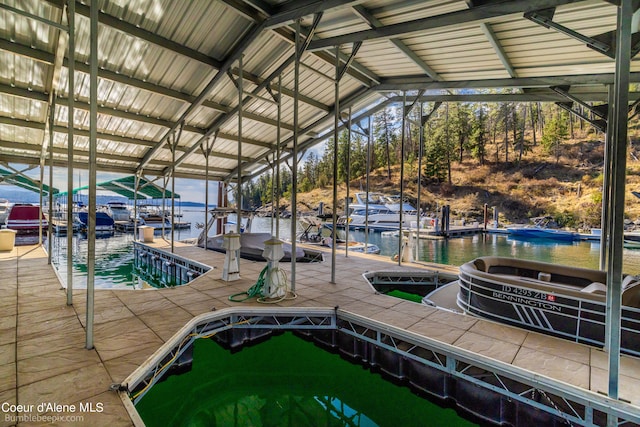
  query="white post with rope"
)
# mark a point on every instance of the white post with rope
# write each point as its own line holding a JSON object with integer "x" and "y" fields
{"x": 275, "y": 283}
{"x": 231, "y": 268}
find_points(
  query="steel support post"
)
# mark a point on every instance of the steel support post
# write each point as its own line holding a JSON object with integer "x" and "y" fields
{"x": 50, "y": 224}
{"x": 619, "y": 150}
{"x": 605, "y": 220}
{"x": 402, "y": 155}
{"x": 165, "y": 181}
{"x": 136, "y": 186}
{"x": 346, "y": 200}
{"x": 71, "y": 19}
{"x": 239, "y": 184}
{"x": 335, "y": 162}
{"x": 366, "y": 203}
{"x": 420, "y": 154}
{"x": 40, "y": 210}
{"x": 278, "y": 136}
{"x": 93, "y": 133}
{"x": 294, "y": 169}
{"x": 174, "y": 147}
{"x": 207, "y": 152}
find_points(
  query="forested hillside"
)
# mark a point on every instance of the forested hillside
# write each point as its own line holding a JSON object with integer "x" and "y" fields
{"x": 526, "y": 159}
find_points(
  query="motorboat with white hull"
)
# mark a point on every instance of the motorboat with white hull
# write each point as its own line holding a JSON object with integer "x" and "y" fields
{"x": 318, "y": 233}
{"x": 563, "y": 301}
{"x": 378, "y": 212}
{"x": 251, "y": 244}
{"x": 118, "y": 211}
{"x": 5, "y": 207}
{"x": 26, "y": 218}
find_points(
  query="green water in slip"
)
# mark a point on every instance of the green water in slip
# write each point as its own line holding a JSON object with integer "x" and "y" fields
{"x": 285, "y": 381}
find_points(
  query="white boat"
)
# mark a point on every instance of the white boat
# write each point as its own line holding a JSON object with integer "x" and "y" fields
{"x": 118, "y": 211}
{"x": 5, "y": 207}
{"x": 378, "y": 212}
{"x": 318, "y": 233}
{"x": 26, "y": 218}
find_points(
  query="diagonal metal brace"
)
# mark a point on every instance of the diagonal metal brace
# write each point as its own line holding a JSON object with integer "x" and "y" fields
{"x": 544, "y": 17}
{"x": 599, "y": 124}
{"x": 601, "y": 111}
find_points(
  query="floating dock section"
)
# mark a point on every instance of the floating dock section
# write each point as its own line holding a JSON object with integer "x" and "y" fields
{"x": 484, "y": 387}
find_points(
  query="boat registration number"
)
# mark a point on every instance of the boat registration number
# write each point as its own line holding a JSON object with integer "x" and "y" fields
{"x": 529, "y": 293}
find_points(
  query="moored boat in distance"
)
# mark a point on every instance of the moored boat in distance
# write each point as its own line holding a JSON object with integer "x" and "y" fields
{"x": 542, "y": 229}
{"x": 26, "y": 218}
{"x": 378, "y": 212}
{"x": 318, "y": 233}
{"x": 5, "y": 207}
{"x": 104, "y": 222}
{"x": 563, "y": 301}
{"x": 118, "y": 210}
{"x": 543, "y": 233}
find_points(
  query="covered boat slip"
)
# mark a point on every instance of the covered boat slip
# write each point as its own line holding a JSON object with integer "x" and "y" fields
{"x": 45, "y": 335}
{"x": 248, "y": 86}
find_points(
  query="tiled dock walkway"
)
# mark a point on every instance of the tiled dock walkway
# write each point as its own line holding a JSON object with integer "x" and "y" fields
{"x": 42, "y": 340}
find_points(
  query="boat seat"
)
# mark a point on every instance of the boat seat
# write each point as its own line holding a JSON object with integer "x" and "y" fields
{"x": 629, "y": 281}
{"x": 631, "y": 294}
{"x": 480, "y": 265}
{"x": 595, "y": 288}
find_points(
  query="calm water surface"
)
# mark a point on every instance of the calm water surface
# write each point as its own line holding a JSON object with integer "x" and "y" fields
{"x": 114, "y": 259}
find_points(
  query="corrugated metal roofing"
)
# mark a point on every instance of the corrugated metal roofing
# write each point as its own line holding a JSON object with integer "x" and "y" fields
{"x": 157, "y": 57}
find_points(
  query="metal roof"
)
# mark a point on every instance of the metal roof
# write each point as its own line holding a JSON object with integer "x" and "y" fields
{"x": 23, "y": 181}
{"x": 170, "y": 67}
{"x": 125, "y": 187}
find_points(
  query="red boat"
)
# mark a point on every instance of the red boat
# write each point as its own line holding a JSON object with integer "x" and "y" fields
{"x": 24, "y": 218}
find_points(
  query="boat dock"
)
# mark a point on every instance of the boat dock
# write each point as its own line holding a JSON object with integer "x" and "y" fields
{"x": 43, "y": 358}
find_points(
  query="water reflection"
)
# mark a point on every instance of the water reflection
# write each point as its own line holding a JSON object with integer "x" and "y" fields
{"x": 457, "y": 251}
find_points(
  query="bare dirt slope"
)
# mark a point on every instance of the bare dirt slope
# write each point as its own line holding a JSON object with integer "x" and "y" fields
{"x": 569, "y": 190}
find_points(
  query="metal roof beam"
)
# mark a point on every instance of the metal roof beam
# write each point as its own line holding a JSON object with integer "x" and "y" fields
{"x": 290, "y": 11}
{"x": 508, "y": 97}
{"x": 21, "y": 123}
{"x": 101, "y": 166}
{"x": 346, "y": 103}
{"x": 226, "y": 66}
{"x": 26, "y": 14}
{"x": 135, "y": 31}
{"x": 215, "y": 127}
{"x": 126, "y": 140}
{"x": 481, "y": 13}
{"x": 48, "y": 58}
{"x": 495, "y": 43}
{"x": 421, "y": 82}
{"x": 374, "y": 23}
{"x": 160, "y": 122}
{"x": 288, "y": 92}
{"x": 497, "y": 47}
{"x": 357, "y": 71}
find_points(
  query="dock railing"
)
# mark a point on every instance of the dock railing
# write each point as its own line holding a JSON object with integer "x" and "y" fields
{"x": 404, "y": 352}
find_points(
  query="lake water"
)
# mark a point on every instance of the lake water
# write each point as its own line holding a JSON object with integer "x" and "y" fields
{"x": 114, "y": 259}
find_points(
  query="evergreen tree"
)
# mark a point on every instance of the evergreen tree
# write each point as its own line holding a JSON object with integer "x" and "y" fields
{"x": 479, "y": 135}
{"x": 555, "y": 132}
